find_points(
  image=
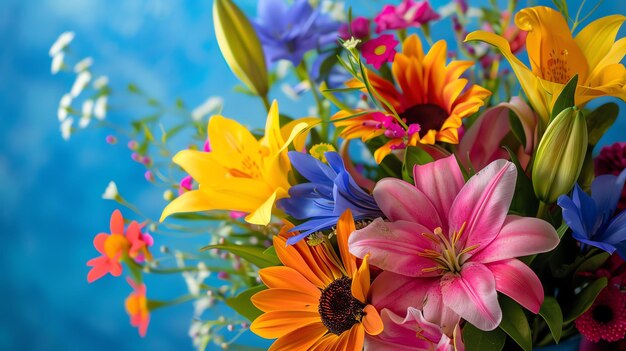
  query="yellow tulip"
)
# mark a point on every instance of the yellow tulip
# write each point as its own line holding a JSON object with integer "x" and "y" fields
{"x": 241, "y": 173}
{"x": 556, "y": 56}
{"x": 240, "y": 46}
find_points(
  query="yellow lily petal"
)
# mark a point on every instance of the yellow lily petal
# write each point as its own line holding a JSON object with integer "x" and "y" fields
{"x": 597, "y": 38}
{"x": 534, "y": 90}
{"x": 191, "y": 201}
{"x": 263, "y": 214}
{"x": 202, "y": 166}
{"x": 300, "y": 139}
{"x": 235, "y": 146}
{"x": 273, "y": 136}
{"x": 615, "y": 55}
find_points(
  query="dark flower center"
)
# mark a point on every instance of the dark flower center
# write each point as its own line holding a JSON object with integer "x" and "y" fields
{"x": 338, "y": 309}
{"x": 428, "y": 116}
{"x": 603, "y": 314}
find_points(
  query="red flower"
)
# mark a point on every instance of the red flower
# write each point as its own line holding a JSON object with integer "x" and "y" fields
{"x": 137, "y": 307}
{"x": 606, "y": 319}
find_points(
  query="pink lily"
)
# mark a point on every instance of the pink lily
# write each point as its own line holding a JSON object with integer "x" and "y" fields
{"x": 457, "y": 240}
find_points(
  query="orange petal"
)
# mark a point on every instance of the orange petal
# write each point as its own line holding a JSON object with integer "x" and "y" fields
{"x": 99, "y": 240}
{"x": 304, "y": 259}
{"x": 275, "y": 324}
{"x": 300, "y": 339}
{"x": 117, "y": 223}
{"x": 361, "y": 281}
{"x": 356, "y": 336}
{"x": 345, "y": 227}
{"x": 287, "y": 278}
{"x": 327, "y": 343}
{"x": 372, "y": 322}
{"x": 285, "y": 300}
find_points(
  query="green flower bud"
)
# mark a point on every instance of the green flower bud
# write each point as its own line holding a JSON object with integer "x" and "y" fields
{"x": 240, "y": 46}
{"x": 560, "y": 155}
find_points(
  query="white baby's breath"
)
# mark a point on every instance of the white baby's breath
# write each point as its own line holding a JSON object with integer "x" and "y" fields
{"x": 82, "y": 79}
{"x": 212, "y": 105}
{"x": 101, "y": 82}
{"x": 64, "y": 104}
{"x": 83, "y": 64}
{"x": 100, "y": 108}
{"x": 111, "y": 193}
{"x": 87, "y": 111}
{"x": 57, "y": 63}
{"x": 61, "y": 43}
{"x": 66, "y": 128}
{"x": 335, "y": 9}
{"x": 282, "y": 68}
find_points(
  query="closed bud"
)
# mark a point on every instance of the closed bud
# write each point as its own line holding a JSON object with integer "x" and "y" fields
{"x": 560, "y": 155}
{"x": 240, "y": 46}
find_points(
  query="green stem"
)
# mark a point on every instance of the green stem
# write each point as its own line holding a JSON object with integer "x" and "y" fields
{"x": 266, "y": 103}
{"x": 543, "y": 210}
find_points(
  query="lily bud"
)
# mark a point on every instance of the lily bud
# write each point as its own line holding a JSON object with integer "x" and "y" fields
{"x": 560, "y": 155}
{"x": 240, "y": 46}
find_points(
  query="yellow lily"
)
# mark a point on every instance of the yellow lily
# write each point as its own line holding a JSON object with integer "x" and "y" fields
{"x": 556, "y": 56}
{"x": 241, "y": 173}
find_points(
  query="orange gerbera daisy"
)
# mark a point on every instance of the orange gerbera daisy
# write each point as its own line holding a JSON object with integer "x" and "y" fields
{"x": 430, "y": 98}
{"x": 317, "y": 301}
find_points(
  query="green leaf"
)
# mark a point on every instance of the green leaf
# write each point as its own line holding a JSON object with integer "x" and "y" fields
{"x": 566, "y": 98}
{"x": 593, "y": 263}
{"x": 551, "y": 313}
{"x": 478, "y": 340}
{"x": 271, "y": 251}
{"x": 515, "y": 324}
{"x": 600, "y": 120}
{"x": 585, "y": 299}
{"x": 242, "y": 304}
{"x": 562, "y": 230}
{"x": 413, "y": 155}
{"x": 251, "y": 254}
{"x": 133, "y": 88}
{"x": 517, "y": 128}
{"x": 524, "y": 200}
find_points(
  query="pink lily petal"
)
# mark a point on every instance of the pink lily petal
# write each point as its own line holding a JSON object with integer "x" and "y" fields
{"x": 437, "y": 312}
{"x": 397, "y": 199}
{"x": 412, "y": 332}
{"x": 472, "y": 294}
{"x": 519, "y": 236}
{"x": 517, "y": 281}
{"x": 440, "y": 181}
{"x": 398, "y": 292}
{"x": 394, "y": 247}
{"x": 483, "y": 203}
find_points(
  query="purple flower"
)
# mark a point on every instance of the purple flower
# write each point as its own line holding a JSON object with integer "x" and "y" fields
{"x": 288, "y": 32}
{"x": 593, "y": 219}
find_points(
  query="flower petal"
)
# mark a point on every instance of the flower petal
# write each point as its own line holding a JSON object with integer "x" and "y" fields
{"x": 597, "y": 38}
{"x": 361, "y": 281}
{"x": 300, "y": 339}
{"x": 345, "y": 227}
{"x": 398, "y": 200}
{"x": 398, "y": 292}
{"x": 394, "y": 246}
{"x": 440, "y": 181}
{"x": 263, "y": 214}
{"x": 372, "y": 322}
{"x": 285, "y": 300}
{"x": 117, "y": 223}
{"x": 190, "y": 201}
{"x": 472, "y": 294}
{"x": 275, "y": 324}
{"x": 483, "y": 203}
{"x": 520, "y": 236}
{"x": 287, "y": 278}
{"x": 517, "y": 281}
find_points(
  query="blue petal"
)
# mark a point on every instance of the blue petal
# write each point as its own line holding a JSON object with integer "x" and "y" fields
{"x": 615, "y": 232}
{"x": 310, "y": 227}
{"x": 311, "y": 168}
{"x": 572, "y": 216}
{"x": 271, "y": 13}
{"x": 606, "y": 191}
{"x": 599, "y": 244}
{"x": 589, "y": 215}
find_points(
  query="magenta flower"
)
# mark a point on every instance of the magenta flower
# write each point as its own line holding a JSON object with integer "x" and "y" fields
{"x": 380, "y": 50}
{"x": 408, "y": 14}
{"x": 360, "y": 28}
{"x": 456, "y": 240}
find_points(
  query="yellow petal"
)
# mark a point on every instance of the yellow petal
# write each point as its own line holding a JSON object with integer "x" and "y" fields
{"x": 537, "y": 95}
{"x": 300, "y": 339}
{"x": 202, "y": 166}
{"x": 263, "y": 214}
{"x": 361, "y": 281}
{"x": 345, "y": 227}
{"x": 615, "y": 55}
{"x": 372, "y": 322}
{"x": 299, "y": 140}
{"x": 597, "y": 38}
{"x": 275, "y": 324}
{"x": 285, "y": 300}
{"x": 273, "y": 136}
{"x": 234, "y": 147}
{"x": 191, "y": 201}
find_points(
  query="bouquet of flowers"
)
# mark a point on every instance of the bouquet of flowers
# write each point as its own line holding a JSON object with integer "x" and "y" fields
{"x": 425, "y": 202}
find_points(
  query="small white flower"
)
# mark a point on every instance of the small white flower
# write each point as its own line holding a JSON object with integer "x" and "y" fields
{"x": 87, "y": 111}
{"x": 101, "y": 82}
{"x": 211, "y": 105}
{"x": 351, "y": 43}
{"x": 80, "y": 83}
{"x": 57, "y": 63}
{"x": 111, "y": 193}
{"x": 100, "y": 108}
{"x": 61, "y": 43}
{"x": 474, "y": 12}
{"x": 336, "y": 10}
{"x": 83, "y": 64}
{"x": 282, "y": 69}
{"x": 66, "y": 128}
{"x": 64, "y": 104}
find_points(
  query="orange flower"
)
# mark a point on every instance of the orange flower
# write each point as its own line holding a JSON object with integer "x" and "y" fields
{"x": 431, "y": 99}
{"x": 118, "y": 246}
{"x": 137, "y": 307}
{"x": 317, "y": 301}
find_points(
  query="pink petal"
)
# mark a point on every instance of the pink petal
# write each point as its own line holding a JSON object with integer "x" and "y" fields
{"x": 517, "y": 281}
{"x": 99, "y": 240}
{"x": 437, "y": 312}
{"x": 117, "y": 223}
{"x": 472, "y": 295}
{"x": 519, "y": 236}
{"x": 394, "y": 247}
{"x": 399, "y": 201}
{"x": 440, "y": 181}
{"x": 398, "y": 292}
{"x": 401, "y": 333}
{"x": 483, "y": 203}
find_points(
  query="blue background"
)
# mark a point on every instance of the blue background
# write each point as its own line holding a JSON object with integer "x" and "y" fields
{"x": 50, "y": 192}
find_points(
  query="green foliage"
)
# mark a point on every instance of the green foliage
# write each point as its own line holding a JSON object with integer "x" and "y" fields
{"x": 551, "y": 313}
{"x": 524, "y": 202}
{"x": 566, "y": 97}
{"x": 414, "y": 155}
{"x": 600, "y": 120}
{"x": 242, "y": 304}
{"x": 252, "y": 254}
{"x": 515, "y": 323}
{"x": 478, "y": 340}
{"x": 585, "y": 299}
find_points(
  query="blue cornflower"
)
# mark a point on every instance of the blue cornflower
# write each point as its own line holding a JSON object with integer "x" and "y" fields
{"x": 288, "y": 32}
{"x": 592, "y": 218}
{"x": 330, "y": 192}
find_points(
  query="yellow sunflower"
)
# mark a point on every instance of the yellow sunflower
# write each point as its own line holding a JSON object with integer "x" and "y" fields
{"x": 430, "y": 98}
{"x": 317, "y": 301}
